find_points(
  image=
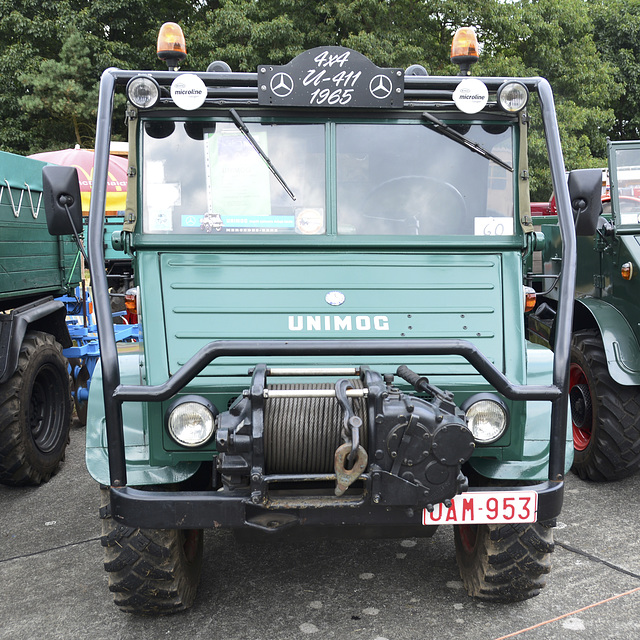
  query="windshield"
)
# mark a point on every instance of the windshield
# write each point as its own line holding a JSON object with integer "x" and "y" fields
{"x": 367, "y": 178}
{"x": 627, "y": 179}
{"x": 403, "y": 179}
{"x": 206, "y": 177}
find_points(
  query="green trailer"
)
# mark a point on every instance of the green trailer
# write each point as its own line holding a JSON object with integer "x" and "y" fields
{"x": 604, "y": 384}
{"x": 329, "y": 261}
{"x": 35, "y": 268}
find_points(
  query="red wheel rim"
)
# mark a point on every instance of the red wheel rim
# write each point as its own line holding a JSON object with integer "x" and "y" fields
{"x": 468, "y": 536}
{"x": 581, "y": 417}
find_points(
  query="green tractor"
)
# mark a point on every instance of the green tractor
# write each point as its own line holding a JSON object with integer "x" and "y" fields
{"x": 35, "y": 270}
{"x": 331, "y": 296}
{"x": 604, "y": 377}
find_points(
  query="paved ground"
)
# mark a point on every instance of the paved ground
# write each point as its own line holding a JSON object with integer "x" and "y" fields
{"x": 53, "y": 584}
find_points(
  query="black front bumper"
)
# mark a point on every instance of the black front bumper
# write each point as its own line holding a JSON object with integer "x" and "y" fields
{"x": 215, "y": 509}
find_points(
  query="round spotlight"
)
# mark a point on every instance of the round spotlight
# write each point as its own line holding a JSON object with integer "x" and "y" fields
{"x": 143, "y": 92}
{"x": 487, "y": 417}
{"x": 191, "y": 421}
{"x": 513, "y": 96}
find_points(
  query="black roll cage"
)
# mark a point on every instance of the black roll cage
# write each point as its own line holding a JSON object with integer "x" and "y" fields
{"x": 420, "y": 91}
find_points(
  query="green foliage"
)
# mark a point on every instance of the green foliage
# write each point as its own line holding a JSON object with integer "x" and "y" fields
{"x": 617, "y": 37}
{"x": 64, "y": 90}
{"x": 555, "y": 40}
{"x": 53, "y": 54}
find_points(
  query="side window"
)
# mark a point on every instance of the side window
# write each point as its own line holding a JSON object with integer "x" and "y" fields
{"x": 173, "y": 175}
{"x": 627, "y": 167}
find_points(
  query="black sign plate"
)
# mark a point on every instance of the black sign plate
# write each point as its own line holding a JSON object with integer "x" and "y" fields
{"x": 330, "y": 77}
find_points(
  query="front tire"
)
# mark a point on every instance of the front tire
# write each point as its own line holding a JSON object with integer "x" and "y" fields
{"x": 504, "y": 563}
{"x": 605, "y": 415}
{"x": 35, "y": 413}
{"x": 151, "y": 571}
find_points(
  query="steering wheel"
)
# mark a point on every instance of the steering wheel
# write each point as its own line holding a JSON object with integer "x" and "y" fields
{"x": 416, "y": 205}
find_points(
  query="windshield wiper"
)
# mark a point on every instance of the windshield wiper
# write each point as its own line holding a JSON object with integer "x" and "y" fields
{"x": 450, "y": 132}
{"x": 237, "y": 120}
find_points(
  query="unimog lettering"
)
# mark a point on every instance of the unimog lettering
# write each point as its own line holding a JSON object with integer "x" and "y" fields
{"x": 245, "y": 404}
{"x": 338, "y": 323}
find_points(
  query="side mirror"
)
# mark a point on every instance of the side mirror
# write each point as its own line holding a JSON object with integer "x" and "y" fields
{"x": 585, "y": 193}
{"x": 62, "y": 202}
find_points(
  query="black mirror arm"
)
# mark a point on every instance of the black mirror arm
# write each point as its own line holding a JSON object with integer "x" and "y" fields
{"x": 75, "y": 232}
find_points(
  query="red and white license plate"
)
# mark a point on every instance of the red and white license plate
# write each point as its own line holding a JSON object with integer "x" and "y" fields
{"x": 486, "y": 507}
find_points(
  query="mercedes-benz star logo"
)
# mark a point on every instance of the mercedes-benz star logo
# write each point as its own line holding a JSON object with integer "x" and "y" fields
{"x": 380, "y": 87}
{"x": 335, "y": 298}
{"x": 281, "y": 84}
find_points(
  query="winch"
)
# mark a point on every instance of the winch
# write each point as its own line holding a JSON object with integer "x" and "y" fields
{"x": 360, "y": 435}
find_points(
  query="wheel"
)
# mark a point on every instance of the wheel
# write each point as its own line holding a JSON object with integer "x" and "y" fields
{"x": 151, "y": 571}
{"x": 605, "y": 415}
{"x": 35, "y": 413}
{"x": 416, "y": 205}
{"x": 504, "y": 563}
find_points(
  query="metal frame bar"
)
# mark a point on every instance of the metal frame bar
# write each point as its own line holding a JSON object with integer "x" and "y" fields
{"x": 115, "y": 393}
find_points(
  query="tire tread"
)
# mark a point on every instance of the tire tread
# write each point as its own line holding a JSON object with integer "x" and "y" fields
{"x": 148, "y": 572}
{"x": 614, "y": 451}
{"x": 18, "y": 464}
{"x": 510, "y": 563}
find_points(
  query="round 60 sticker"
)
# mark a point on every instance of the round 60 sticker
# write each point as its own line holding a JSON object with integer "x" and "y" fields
{"x": 471, "y": 95}
{"x": 188, "y": 91}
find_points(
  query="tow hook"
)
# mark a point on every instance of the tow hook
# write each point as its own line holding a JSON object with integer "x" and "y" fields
{"x": 346, "y": 477}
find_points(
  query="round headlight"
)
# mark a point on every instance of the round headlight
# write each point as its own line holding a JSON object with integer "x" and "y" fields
{"x": 191, "y": 421}
{"x": 513, "y": 96}
{"x": 487, "y": 419}
{"x": 143, "y": 92}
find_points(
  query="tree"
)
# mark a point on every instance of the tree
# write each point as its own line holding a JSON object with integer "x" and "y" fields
{"x": 53, "y": 54}
{"x": 555, "y": 39}
{"x": 616, "y": 34}
{"x": 63, "y": 95}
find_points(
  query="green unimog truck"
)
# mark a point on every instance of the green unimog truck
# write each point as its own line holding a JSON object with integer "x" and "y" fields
{"x": 604, "y": 378}
{"x": 35, "y": 269}
{"x": 329, "y": 262}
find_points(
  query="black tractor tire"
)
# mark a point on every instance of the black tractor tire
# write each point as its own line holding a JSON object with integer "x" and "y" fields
{"x": 35, "y": 413}
{"x": 505, "y": 562}
{"x": 605, "y": 415}
{"x": 151, "y": 571}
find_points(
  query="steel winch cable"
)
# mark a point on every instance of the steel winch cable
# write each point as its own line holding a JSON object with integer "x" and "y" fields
{"x": 301, "y": 435}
